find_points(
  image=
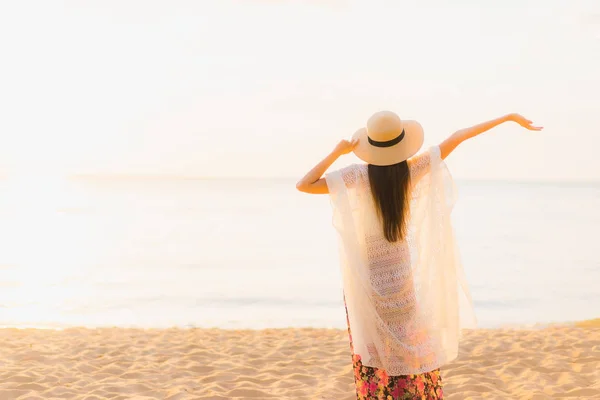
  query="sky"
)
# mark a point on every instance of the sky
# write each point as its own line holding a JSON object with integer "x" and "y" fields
{"x": 266, "y": 88}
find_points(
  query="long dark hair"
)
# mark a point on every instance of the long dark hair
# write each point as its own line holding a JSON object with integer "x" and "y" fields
{"x": 390, "y": 186}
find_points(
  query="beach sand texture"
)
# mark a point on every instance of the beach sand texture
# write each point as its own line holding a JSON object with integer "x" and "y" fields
{"x": 177, "y": 364}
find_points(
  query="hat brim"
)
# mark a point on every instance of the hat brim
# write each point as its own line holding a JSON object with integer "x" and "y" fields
{"x": 383, "y": 156}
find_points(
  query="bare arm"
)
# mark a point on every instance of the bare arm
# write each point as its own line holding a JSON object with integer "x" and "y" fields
{"x": 448, "y": 145}
{"x": 312, "y": 181}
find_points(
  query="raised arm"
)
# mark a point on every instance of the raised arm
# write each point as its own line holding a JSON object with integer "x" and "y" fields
{"x": 312, "y": 181}
{"x": 448, "y": 145}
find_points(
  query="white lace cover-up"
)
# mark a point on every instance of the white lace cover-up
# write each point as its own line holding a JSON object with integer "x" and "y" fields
{"x": 406, "y": 301}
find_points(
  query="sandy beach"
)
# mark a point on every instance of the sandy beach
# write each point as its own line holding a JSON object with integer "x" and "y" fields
{"x": 177, "y": 364}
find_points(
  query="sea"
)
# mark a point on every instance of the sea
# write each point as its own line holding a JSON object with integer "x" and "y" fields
{"x": 255, "y": 253}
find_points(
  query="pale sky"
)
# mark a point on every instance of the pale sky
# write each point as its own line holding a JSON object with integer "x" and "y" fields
{"x": 266, "y": 88}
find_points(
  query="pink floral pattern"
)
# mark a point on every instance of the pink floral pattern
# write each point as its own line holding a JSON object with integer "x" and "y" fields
{"x": 375, "y": 384}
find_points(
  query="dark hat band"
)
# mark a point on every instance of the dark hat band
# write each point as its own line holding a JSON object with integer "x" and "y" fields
{"x": 388, "y": 143}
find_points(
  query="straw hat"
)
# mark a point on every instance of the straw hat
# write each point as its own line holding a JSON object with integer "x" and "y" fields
{"x": 388, "y": 140}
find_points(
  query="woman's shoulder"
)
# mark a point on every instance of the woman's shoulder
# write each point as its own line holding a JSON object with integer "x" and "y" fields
{"x": 353, "y": 168}
{"x": 353, "y": 173}
{"x": 420, "y": 164}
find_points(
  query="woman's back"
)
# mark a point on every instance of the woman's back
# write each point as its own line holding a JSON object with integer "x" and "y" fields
{"x": 389, "y": 262}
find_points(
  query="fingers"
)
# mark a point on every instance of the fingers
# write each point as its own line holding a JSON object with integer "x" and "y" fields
{"x": 528, "y": 124}
{"x": 534, "y": 128}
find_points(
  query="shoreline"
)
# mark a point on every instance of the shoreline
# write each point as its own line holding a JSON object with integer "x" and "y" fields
{"x": 588, "y": 323}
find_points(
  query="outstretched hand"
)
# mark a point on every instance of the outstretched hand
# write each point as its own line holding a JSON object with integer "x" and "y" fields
{"x": 524, "y": 122}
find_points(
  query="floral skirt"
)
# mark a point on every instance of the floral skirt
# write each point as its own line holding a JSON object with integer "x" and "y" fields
{"x": 375, "y": 384}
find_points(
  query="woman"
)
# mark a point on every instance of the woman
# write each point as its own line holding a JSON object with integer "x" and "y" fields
{"x": 404, "y": 289}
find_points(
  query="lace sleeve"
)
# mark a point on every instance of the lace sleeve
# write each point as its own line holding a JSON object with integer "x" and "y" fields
{"x": 349, "y": 175}
{"x": 420, "y": 165}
